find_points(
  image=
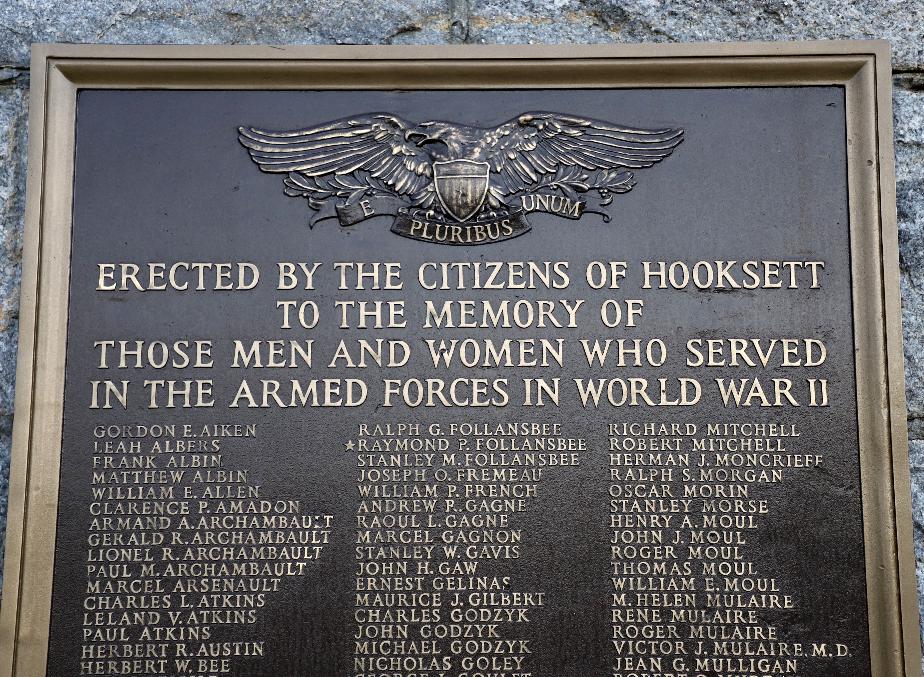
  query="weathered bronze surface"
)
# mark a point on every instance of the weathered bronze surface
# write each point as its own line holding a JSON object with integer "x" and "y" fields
{"x": 646, "y": 431}
{"x": 450, "y": 174}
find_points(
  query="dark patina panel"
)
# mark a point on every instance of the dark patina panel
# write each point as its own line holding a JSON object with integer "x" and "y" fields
{"x": 580, "y": 565}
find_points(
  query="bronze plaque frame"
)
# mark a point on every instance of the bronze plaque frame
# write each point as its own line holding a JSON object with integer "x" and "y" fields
{"x": 861, "y": 67}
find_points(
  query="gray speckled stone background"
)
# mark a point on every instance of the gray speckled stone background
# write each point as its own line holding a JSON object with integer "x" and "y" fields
{"x": 23, "y": 22}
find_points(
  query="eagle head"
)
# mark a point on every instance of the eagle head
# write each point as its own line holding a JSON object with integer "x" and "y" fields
{"x": 434, "y": 136}
{"x": 428, "y": 132}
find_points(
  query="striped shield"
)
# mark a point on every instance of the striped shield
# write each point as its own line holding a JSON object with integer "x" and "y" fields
{"x": 461, "y": 186}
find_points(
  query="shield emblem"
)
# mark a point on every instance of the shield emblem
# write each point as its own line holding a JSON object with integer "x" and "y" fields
{"x": 461, "y": 186}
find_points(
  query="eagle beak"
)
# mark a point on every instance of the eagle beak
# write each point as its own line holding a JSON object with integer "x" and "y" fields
{"x": 418, "y": 135}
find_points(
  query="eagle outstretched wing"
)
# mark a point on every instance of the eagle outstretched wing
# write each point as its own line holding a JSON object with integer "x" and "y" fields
{"x": 374, "y": 143}
{"x": 537, "y": 145}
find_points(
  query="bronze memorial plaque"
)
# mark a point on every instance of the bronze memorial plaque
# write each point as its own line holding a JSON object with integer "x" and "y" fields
{"x": 460, "y": 362}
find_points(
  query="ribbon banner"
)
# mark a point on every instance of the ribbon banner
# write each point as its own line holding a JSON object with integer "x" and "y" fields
{"x": 559, "y": 205}
{"x": 415, "y": 224}
{"x": 364, "y": 208}
{"x": 504, "y": 227}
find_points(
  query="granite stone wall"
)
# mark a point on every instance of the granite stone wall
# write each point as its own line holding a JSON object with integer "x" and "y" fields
{"x": 23, "y": 22}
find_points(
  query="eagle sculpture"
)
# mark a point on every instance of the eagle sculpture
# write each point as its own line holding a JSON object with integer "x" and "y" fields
{"x": 453, "y": 169}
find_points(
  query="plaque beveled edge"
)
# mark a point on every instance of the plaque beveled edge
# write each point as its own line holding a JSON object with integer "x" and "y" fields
{"x": 59, "y": 71}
